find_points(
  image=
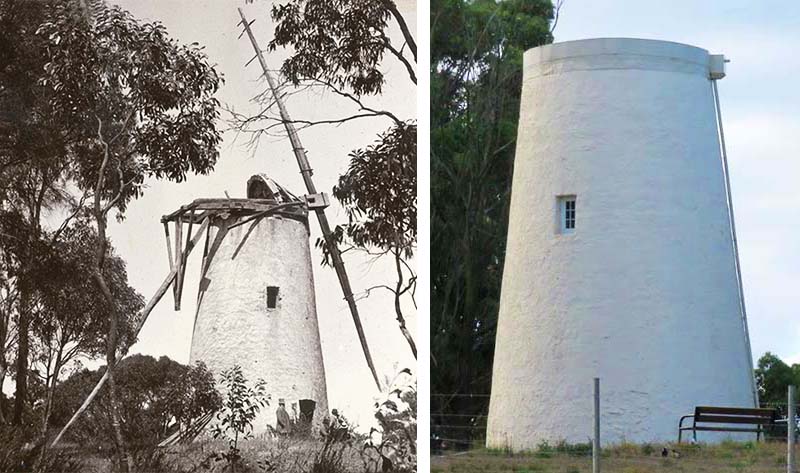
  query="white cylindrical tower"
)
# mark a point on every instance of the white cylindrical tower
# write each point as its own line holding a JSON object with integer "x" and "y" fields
{"x": 620, "y": 261}
{"x": 256, "y": 306}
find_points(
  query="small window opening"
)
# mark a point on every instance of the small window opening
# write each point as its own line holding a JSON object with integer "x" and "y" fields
{"x": 566, "y": 213}
{"x": 272, "y": 297}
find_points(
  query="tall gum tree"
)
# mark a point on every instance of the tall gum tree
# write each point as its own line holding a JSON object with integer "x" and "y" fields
{"x": 138, "y": 105}
{"x": 476, "y": 79}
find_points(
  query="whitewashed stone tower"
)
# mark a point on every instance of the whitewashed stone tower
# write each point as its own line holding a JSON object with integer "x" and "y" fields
{"x": 621, "y": 261}
{"x": 256, "y": 305}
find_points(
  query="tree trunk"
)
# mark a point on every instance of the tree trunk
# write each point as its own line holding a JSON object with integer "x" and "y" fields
{"x": 4, "y": 323}
{"x": 111, "y": 348}
{"x": 401, "y": 321}
{"x": 23, "y": 349}
{"x": 100, "y": 214}
{"x": 48, "y": 408}
{"x": 3, "y": 371}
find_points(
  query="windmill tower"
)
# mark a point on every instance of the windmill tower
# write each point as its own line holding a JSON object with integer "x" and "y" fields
{"x": 256, "y": 305}
{"x": 621, "y": 259}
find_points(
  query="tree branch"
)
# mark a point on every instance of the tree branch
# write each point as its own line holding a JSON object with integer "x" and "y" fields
{"x": 399, "y": 55}
{"x": 412, "y": 45}
{"x": 556, "y": 11}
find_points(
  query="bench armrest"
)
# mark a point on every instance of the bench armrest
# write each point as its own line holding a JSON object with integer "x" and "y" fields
{"x": 680, "y": 423}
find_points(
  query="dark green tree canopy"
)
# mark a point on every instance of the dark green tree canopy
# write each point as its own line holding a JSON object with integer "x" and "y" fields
{"x": 476, "y": 79}
{"x": 773, "y": 377}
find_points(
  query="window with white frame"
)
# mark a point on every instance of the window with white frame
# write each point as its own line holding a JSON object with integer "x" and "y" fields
{"x": 566, "y": 213}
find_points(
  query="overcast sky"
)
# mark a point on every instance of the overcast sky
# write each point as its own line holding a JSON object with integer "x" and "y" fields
{"x": 139, "y": 239}
{"x": 760, "y": 101}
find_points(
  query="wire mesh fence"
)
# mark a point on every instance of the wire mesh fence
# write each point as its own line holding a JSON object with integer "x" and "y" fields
{"x": 458, "y": 443}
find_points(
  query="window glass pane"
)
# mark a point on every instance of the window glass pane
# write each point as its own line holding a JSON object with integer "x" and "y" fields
{"x": 566, "y": 213}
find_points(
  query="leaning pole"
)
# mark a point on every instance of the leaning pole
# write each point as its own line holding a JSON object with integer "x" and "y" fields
{"x": 176, "y": 272}
{"x": 307, "y": 172}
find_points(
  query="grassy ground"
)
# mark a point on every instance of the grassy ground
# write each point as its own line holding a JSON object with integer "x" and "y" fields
{"x": 272, "y": 455}
{"x": 748, "y": 457}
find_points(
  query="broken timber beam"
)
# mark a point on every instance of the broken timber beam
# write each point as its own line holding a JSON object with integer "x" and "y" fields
{"x": 178, "y": 246}
{"x": 182, "y": 266}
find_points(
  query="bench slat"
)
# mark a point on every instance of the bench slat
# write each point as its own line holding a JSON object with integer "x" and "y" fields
{"x": 734, "y": 411}
{"x": 725, "y": 429}
{"x": 721, "y": 419}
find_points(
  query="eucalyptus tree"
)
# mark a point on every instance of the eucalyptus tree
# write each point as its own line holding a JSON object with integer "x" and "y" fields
{"x": 123, "y": 103}
{"x": 33, "y": 161}
{"x": 71, "y": 317}
{"x": 476, "y": 78}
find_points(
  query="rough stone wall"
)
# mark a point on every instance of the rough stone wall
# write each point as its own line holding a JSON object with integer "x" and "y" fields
{"x": 233, "y": 324}
{"x": 643, "y": 294}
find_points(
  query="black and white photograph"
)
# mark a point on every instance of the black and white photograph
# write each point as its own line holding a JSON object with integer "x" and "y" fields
{"x": 208, "y": 236}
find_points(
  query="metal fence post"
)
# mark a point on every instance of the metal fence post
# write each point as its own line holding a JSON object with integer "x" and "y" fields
{"x": 790, "y": 434}
{"x": 596, "y": 437}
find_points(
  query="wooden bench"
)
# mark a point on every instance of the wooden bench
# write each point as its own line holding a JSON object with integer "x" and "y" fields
{"x": 758, "y": 419}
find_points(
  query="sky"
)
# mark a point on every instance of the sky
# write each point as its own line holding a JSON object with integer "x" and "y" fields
{"x": 760, "y": 103}
{"x": 139, "y": 239}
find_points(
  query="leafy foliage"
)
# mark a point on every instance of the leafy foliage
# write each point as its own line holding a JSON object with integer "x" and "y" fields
{"x": 476, "y": 77}
{"x": 773, "y": 377}
{"x": 68, "y": 317}
{"x": 379, "y": 194}
{"x": 240, "y": 407}
{"x": 17, "y": 455}
{"x": 71, "y": 312}
{"x": 127, "y": 85}
{"x": 339, "y": 42}
{"x": 152, "y": 393}
{"x": 396, "y": 439}
{"x": 92, "y": 101}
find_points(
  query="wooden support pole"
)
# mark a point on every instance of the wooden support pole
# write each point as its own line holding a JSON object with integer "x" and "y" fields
{"x": 178, "y": 246}
{"x": 202, "y": 270}
{"x": 145, "y": 313}
{"x": 182, "y": 266}
{"x": 169, "y": 245}
{"x": 150, "y": 305}
{"x": 307, "y": 172}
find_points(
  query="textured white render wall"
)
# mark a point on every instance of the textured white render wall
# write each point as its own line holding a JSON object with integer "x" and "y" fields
{"x": 643, "y": 294}
{"x": 234, "y": 325}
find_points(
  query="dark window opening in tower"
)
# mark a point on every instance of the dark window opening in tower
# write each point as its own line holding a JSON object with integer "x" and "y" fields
{"x": 272, "y": 297}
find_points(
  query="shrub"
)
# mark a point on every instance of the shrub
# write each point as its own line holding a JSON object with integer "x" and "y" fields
{"x": 152, "y": 393}
{"x": 396, "y": 439}
{"x": 240, "y": 406}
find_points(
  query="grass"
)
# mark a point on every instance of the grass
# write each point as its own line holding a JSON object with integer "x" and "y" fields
{"x": 726, "y": 457}
{"x": 261, "y": 455}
